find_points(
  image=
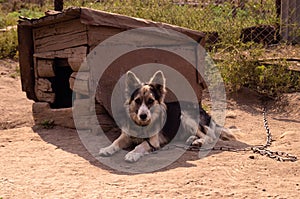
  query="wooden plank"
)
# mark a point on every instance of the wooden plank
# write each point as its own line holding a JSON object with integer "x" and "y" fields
{"x": 67, "y": 27}
{"x": 44, "y": 96}
{"x": 100, "y": 109}
{"x": 76, "y": 57}
{"x": 25, "y": 49}
{"x": 64, "y": 53}
{"x": 78, "y": 62}
{"x": 44, "y": 85}
{"x": 106, "y": 122}
{"x": 44, "y": 91}
{"x": 85, "y": 122}
{"x": 82, "y": 82}
{"x": 90, "y": 122}
{"x": 45, "y": 68}
{"x": 69, "y": 14}
{"x": 42, "y": 113}
{"x": 97, "y": 34}
{"x": 85, "y": 107}
{"x": 105, "y": 119}
{"x": 59, "y": 42}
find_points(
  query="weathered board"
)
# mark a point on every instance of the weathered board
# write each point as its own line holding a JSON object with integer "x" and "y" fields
{"x": 64, "y": 53}
{"x": 82, "y": 82}
{"x": 44, "y": 91}
{"x": 43, "y": 114}
{"x": 45, "y": 68}
{"x": 97, "y": 34}
{"x": 61, "y": 28}
{"x": 58, "y": 42}
{"x": 25, "y": 40}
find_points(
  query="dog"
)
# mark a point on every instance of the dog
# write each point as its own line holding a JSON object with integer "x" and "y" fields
{"x": 150, "y": 123}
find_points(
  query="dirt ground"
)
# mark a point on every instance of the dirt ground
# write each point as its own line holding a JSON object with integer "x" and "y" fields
{"x": 52, "y": 163}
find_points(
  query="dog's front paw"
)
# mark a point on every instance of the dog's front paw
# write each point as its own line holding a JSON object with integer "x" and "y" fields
{"x": 108, "y": 151}
{"x": 191, "y": 139}
{"x": 198, "y": 142}
{"x": 133, "y": 156}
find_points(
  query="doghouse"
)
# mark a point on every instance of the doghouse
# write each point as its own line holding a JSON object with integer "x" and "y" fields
{"x": 53, "y": 48}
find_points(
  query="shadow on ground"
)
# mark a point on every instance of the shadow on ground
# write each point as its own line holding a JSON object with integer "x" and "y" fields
{"x": 69, "y": 141}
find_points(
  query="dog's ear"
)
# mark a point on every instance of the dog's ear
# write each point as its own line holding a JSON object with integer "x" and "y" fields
{"x": 158, "y": 80}
{"x": 132, "y": 83}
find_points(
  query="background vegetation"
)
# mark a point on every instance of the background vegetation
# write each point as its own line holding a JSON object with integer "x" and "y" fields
{"x": 239, "y": 62}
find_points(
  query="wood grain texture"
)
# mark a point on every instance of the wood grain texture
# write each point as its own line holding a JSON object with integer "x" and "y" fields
{"x": 58, "y": 42}
{"x": 44, "y": 91}
{"x": 97, "y": 34}
{"x": 45, "y": 68}
{"x": 82, "y": 82}
{"x": 25, "y": 48}
{"x": 42, "y": 113}
{"x": 60, "y": 28}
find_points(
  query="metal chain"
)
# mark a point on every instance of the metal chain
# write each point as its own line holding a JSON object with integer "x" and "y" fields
{"x": 259, "y": 149}
{"x": 277, "y": 155}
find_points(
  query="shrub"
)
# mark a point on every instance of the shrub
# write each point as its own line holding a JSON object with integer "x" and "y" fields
{"x": 8, "y": 44}
{"x": 242, "y": 66}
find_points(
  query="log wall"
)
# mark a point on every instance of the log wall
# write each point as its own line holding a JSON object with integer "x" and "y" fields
{"x": 70, "y": 41}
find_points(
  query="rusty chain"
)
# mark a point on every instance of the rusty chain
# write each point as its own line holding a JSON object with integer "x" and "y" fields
{"x": 259, "y": 149}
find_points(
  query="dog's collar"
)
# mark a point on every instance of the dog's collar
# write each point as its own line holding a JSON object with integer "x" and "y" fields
{"x": 151, "y": 146}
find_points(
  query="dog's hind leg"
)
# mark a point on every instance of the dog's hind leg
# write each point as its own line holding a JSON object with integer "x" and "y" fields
{"x": 198, "y": 133}
{"x": 225, "y": 133}
{"x": 201, "y": 137}
{"x": 120, "y": 143}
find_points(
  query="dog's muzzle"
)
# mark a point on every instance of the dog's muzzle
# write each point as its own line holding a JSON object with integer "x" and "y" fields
{"x": 143, "y": 117}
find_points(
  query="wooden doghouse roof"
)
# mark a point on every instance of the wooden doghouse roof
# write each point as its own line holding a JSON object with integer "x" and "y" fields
{"x": 100, "y": 18}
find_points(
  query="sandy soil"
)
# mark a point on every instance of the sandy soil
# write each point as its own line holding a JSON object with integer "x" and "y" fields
{"x": 52, "y": 163}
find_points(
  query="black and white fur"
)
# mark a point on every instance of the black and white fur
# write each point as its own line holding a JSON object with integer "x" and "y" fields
{"x": 152, "y": 123}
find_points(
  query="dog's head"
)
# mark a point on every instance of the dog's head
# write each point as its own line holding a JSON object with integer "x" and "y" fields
{"x": 145, "y": 99}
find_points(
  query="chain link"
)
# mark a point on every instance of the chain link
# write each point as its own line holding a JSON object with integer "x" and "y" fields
{"x": 259, "y": 149}
{"x": 277, "y": 155}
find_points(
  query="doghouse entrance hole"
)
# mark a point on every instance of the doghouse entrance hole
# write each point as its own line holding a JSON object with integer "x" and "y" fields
{"x": 60, "y": 84}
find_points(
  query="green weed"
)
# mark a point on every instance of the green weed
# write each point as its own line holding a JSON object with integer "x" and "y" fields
{"x": 47, "y": 124}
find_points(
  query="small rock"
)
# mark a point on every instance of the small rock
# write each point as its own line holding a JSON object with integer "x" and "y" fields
{"x": 251, "y": 157}
{"x": 290, "y": 134}
{"x": 231, "y": 114}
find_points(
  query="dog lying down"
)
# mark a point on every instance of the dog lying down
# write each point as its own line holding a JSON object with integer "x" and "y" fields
{"x": 150, "y": 123}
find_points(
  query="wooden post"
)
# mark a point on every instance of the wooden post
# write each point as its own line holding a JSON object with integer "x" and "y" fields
{"x": 278, "y": 7}
{"x": 58, "y": 5}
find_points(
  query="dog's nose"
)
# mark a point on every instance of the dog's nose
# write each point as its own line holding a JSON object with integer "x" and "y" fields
{"x": 143, "y": 116}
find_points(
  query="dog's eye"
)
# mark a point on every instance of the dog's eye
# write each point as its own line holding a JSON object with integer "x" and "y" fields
{"x": 137, "y": 100}
{"x": 150, "y": 101}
